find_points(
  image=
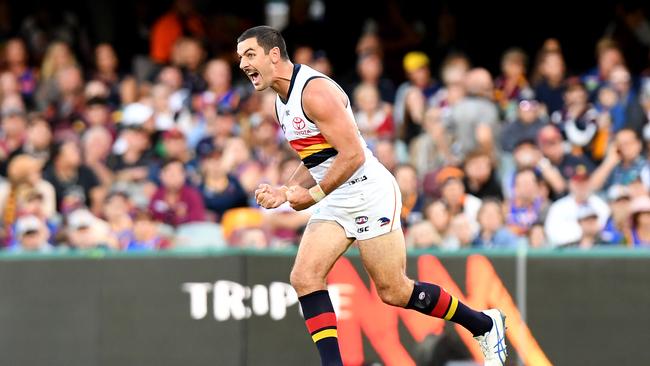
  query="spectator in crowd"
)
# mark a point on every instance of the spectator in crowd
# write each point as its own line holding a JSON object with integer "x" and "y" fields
{"x": 86, "y": 232}
{"x": 75, "y": 184}
{"x": 106, "y": 71}
{"x": 480, "y": 176}
{"x": 528, "y": 156}
{"x": 96, "y": 144}
{"x": 411, "y": 96}
{"x": 461, "y": 233}
{"x": 32, "y": 203}
{"x": 524, "y": 127}
{"x": 175, "y": 202}
{"x": 618, "y": 223}
{"x": 452, "y": 192}
{"x": 590, "y": 228}
{"x": 37, "y": 139}
{"x": 58, "y": 56}
{"x": 284, "y": 224}
{"x": 536, "y": 236}
{"x": 553, "y": 148}
{"x": 430, "y": 150}
{"x": 369, "y": 70}
{"x": 549, "y": 84}
{"x": 432, "y": 231}
{"x": 23, "y": 174}
{"x": 14, "y": 129}
{"x": 219, "y": 189}
{"x": 639, "y": 233}
{"x": 412, "y": 199}
{"x": 181, "y": 20}
{"x": 561, "y": 224}
{"x": 578, "y": 119}
{"x": 220, "y": 93}
{"x": 17, "y": 61}
{"x": 623, "y": 164}
{"x": 493, "y": 233}
{"x": 627, "y": 112}
{"x": 474, "y": 120}
{"x": 117, "y": 213}
{"x": 453, "y": 71}
{"x": 31, "y": 236}
{"x": 608, "y": 56}
{"x": 374, "y": 117}
{"x": 527, "y": 204}
{"x": 512, "y": 85}
{"x": 147, "y": 234}
{"x": 188, "y": 55}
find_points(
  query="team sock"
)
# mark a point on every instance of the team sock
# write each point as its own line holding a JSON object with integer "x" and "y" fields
{"x": 435, "y": 301}
{"x": 321, "y": 324}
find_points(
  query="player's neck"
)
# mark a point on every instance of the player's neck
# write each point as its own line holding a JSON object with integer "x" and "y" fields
{"x": 282, "y": 81}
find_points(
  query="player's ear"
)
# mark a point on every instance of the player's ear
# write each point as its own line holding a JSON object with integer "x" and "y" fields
{"x": 274, "y": 53}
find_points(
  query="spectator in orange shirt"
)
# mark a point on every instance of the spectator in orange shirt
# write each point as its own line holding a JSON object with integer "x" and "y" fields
{"x": 180, "y": 20}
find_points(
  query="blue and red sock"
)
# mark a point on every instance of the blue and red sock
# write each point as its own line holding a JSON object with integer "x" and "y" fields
{"x": 321, "y": 324}
{"x": 433, "y": 300}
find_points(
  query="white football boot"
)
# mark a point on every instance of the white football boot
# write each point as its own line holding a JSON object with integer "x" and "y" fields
{"x": 493, "y": 342}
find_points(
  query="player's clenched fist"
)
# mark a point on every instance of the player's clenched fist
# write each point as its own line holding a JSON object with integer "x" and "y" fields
{"x": 270, "y": 197}
{"x": 299, "y": 198}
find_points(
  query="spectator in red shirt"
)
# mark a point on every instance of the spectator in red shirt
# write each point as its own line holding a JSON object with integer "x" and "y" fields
{"x": 175, "y": 202}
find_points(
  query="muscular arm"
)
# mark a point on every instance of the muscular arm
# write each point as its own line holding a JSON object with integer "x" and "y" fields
{"x": 325, "y": 104}
{"x": 301, "y": 177}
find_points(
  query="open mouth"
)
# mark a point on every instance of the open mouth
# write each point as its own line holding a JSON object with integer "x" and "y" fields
{"x": 254, "y": 76}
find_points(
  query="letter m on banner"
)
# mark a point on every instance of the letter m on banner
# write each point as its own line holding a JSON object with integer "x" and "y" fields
{"x": 362, "y": 312}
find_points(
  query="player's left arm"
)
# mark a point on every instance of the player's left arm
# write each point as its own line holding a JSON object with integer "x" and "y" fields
{"x": 325, "y": 104}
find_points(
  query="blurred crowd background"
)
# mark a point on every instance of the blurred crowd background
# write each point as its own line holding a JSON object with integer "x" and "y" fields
{"x": 130, "y": 127}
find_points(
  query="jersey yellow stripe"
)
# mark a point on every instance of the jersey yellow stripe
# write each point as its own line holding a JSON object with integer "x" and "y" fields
{"x": 324, "y": 334}
{"x": 311, "y": 149}
{"x": 452, "y": 308}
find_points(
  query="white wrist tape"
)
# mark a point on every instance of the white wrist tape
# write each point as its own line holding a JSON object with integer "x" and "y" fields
{"x": 316, "y": 192}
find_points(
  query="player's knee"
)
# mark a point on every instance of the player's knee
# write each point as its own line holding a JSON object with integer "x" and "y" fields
{"x": 305, "y": 282}
{"x": 391, "y": 295}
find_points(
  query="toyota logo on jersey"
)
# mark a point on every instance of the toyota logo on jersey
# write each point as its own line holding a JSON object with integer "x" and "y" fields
{"x": 298, "y": 123}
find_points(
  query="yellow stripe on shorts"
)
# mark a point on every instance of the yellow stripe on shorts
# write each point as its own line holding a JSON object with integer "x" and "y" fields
{"x": 324, "y": 334}
{"x": 452, "y": 308}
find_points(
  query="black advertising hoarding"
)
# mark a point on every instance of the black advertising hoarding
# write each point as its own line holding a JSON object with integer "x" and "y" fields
{"x": 239, "y": 310}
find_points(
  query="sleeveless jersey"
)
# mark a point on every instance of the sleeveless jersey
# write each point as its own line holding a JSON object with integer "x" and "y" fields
{"x": 303, "y": 134}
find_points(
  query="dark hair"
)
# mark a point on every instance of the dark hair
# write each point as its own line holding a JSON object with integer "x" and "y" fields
{"x": 268, "y": 38}
{"x": 167, "y": 162}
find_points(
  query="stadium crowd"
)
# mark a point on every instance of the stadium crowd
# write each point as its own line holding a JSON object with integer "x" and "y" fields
{"x": 169, "y": 155}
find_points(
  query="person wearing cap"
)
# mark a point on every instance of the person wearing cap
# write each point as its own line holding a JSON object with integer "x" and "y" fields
{"x": 591, "y": 229}
{"x": 618, "y": 223}
{"x": 31, "y": 236}
{"x": 623, "y": 164}
{"x": 85, "y": 231}
{"x": 638, "y": 235}
{"x": 412, "y": 95}
{"x": 452, "y": 192}
{"x": 561, "y": 224}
